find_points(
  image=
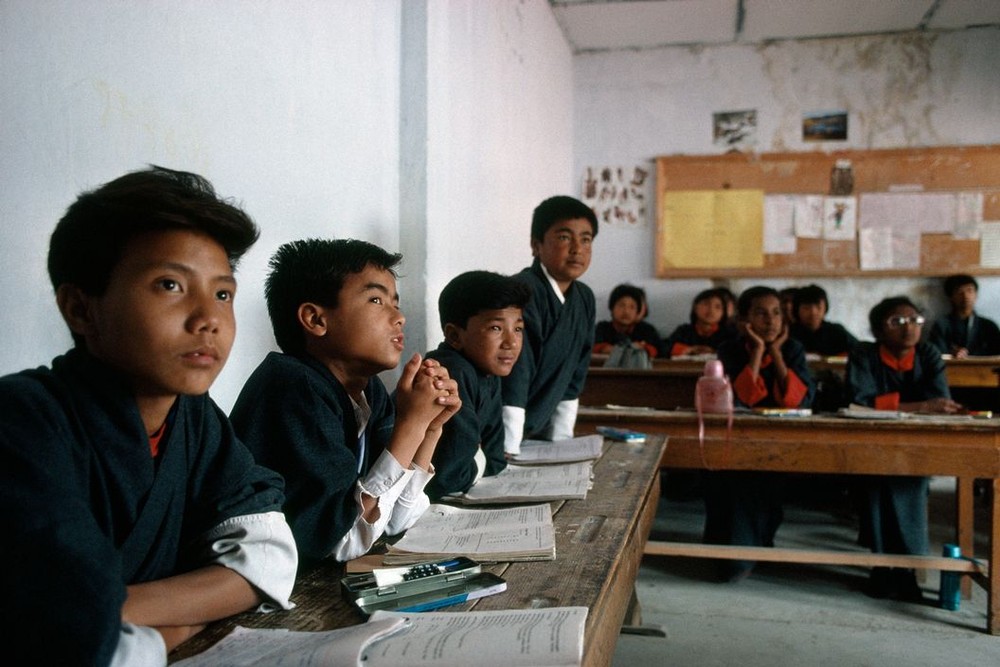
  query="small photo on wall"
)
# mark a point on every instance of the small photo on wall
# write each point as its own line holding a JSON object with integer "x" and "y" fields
{"x": 824, "y": 126}
{"x": 735, "y": 130}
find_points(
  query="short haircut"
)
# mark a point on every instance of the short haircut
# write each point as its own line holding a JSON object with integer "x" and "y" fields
{"x": 811, "y": 295}
{"x": 751, "y": 294}
{"x": 559, "y": 209}
{"x": 952, "y": 283}
{"x": 633, "y": 292}
{"x": 472, "y": 292}
{"x": 89, "y": 240}
{"x": 705, "y": 295}
{"x": 313, "y": 271}
{"x": 880, "y": 312}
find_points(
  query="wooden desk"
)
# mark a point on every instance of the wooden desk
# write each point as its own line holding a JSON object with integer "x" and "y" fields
{"x": 967, "y": 450}
{"x": 599, "y": 544}
{"x": 670, "y": 383}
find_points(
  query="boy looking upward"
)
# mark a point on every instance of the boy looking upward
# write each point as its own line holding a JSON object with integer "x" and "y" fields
{"x": 132, "y": 515}
{"x": 483, "y": 330}
{"x": 963, "y": 332}
{"x": 542, "y": 393}
{"x": 355, "y": 465}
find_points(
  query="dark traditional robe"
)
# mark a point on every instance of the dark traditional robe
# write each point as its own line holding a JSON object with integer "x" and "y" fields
{"x": 85, "y": 509}
{"x": 981, "y": 336}
{"x": 558, "y": 338}
{"x": 480, "y": 421}
{"x": 298, "y": 419}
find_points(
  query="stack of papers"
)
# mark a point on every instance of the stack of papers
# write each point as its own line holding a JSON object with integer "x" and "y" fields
{"x": 584, "y": 448}
{"x": 520, "y": 484}
{"x": 536, "y": 637}
{"x": 512, "y": 534}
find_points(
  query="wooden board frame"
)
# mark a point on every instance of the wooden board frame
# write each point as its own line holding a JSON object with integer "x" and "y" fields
{"x": 937, "y": 169}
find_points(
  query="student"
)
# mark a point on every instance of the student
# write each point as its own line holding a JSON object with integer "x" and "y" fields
{"x": 131, "y": 514}
{"x": 629, "y": 309}
{"x": 481, "y": 317}
{"x": 541, "y": 395}
{"x": 768, "y": 370}
{"x": 963, "y": 332}
{"x": 896, "y": 372}
{"x": 729, "y": 299}
{"x": 818, "y": 335}
{"x": 318, "y": 413}
{"x": 787, "y": 297}
{"x": 708, "y": 327}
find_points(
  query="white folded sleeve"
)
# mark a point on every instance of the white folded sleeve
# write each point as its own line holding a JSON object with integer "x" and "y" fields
{"x": 564, "y": 420}
{"x": 261, "y": 549}
{"x": 513, "y": 429}
{"x": 138, "y": 646}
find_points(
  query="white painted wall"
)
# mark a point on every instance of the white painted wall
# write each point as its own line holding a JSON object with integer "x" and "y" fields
{"x": 294, "y": 108}
{"x": 500, "y": 114}
{"x": 900, "y": 91}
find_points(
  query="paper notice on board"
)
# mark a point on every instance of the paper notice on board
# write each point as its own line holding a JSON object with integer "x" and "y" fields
{"x": 874, "y": 248}
{"x": 840, "y": 218}
{"x": 989, "y": 245}
{"x": 809, "y": 216}
{"x": 968, "y": 214}
{"x": 708, "y": 229}
{"x": 779, "y": 224}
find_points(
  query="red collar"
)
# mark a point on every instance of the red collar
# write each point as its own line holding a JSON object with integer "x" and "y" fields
{"x": 895, "y": 363}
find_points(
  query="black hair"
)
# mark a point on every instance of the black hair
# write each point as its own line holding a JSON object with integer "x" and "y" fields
{"x": 472, "y": 292}
{"x": 706, "y": 294}
{"x": 559, "y": 209}
{"x": 313, "y": 271}
{"x": 637, "y": 294}
{"x": 88, "y": 241}
{"x": 809, "y": 295}
{"x": 952, "y": 283}
{"x": 880, "y": 312}
{"x": 751, "y": 294}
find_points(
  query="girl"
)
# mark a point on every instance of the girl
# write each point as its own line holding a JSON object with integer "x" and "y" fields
{"x": 708, "y": 328}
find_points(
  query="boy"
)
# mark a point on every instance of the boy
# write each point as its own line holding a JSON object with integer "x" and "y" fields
{"x": 768, "y": 370}
{"x": 318, "y": 413}
{"x": 896, "y": 372}
{"x": 963, "y": 332}
{"x": 483, "y": 330}
{"x": 818, "y": 335}
{"x": 132, "y": 516}
{"x": 541, "y": 395}
{"x": 629, "y": 309}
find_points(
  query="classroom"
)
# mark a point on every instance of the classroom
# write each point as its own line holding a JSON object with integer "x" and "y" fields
{"x": 434, "y": 127}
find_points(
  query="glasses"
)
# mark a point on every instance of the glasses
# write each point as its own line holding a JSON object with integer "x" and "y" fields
{"x": 901, "y": 321}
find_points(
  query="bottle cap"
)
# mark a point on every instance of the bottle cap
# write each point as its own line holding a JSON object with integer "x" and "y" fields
{"x": 713, "y": 368}
{"x": 843, "y": 164}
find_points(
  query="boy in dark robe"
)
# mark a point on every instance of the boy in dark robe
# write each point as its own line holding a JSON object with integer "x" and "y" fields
{"x": 896, "y": 372}
{"x": 131, "y": 514}
{"x": 542, "y": 394}
{"x": 355, "y": 463}
{"x": 963, "y": 332}
{"x": 483, "y": 332}
{"x": 628, "y": 324}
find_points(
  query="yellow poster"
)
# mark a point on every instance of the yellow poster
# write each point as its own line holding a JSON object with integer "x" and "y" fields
{"x": 712, "y": 229}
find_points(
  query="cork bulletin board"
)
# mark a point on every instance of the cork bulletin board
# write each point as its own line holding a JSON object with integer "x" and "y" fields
{"x": 962, "y": 169}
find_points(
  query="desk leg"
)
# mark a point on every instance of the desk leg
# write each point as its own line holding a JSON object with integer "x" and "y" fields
{"x": 965, "y": 533}
{"x": 993, "y": 594}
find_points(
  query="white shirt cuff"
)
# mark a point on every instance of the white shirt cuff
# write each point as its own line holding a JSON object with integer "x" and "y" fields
{"x": 261, "y": 549}
{"x": 138, "y": 646}
{"x": 564, "y": 420}
{"x": 513, "y": 429}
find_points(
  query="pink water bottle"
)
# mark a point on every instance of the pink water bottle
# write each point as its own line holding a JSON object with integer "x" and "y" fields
{"x": 713, "y": 395}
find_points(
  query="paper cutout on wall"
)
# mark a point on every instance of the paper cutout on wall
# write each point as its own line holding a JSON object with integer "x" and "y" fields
{"x": 617, "y": 195}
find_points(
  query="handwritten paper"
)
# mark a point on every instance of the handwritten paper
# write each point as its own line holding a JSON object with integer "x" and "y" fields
{"x": 705, "y": 229}
{"x": 779, "y": 224}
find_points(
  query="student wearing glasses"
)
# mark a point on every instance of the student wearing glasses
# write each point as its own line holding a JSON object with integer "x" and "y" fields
{"x": 896, "y": 372}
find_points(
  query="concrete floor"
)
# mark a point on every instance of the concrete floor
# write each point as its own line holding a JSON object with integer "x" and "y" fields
{"x": 790, "y": 614}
